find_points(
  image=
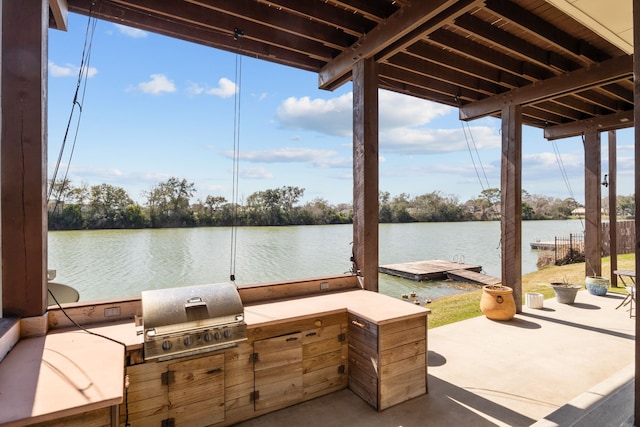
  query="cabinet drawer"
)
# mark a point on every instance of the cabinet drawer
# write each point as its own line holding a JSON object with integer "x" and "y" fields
{"x": 363, "y": 331}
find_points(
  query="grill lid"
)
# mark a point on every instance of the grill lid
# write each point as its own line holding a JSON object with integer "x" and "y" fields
{"x": 178, "y": 309}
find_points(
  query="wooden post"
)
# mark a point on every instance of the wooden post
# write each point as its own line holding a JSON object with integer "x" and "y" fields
{"x": 23, "y": 165}
{"x": 365, "y": 171}
{"x": 1, "y": 117}
{"x": 511, "y": 201}
{"x": 613, "y": 224}
{"x": 636, "y": 176}
{"x": 593, "y": 204}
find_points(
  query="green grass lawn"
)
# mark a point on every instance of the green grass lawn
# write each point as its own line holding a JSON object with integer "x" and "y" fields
{"x": 458, "y": 307}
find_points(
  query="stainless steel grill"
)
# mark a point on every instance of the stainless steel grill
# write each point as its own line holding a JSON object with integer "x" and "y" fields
{"x": 190, "y": 320}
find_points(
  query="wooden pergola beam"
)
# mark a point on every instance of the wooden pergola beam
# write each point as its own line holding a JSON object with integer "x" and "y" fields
{"x": 60, "y": 12}
{"x": 397, "y": 32}
{"x": 609, "y": 122}
{"x": 609, "y": 71}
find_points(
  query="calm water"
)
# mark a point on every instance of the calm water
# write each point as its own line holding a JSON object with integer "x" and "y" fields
{"x": 120, "y": 263}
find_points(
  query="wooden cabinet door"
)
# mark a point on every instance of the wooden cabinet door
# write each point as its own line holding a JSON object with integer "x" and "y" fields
{"x": 278, "y": 372}
{"x": 324, "y": 352}
{"x": 196, "y": 391}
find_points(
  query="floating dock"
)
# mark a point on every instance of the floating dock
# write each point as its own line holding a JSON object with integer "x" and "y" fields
{"x": 473, "y": 277}
{"x": 439, "y": 270}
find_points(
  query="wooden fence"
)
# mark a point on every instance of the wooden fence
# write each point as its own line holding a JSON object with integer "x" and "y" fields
{"x": 569, "y": 250}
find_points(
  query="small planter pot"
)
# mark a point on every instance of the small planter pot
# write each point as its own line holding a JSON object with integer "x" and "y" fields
{"x": 497, "y": 302}
{"x": 597, "y": 285}
{"x": 565, "y": 294}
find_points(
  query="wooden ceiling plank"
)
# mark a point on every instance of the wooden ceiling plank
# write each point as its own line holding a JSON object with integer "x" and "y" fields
{"x": 502, "y": 40}
{"x": 447, "y": 93}
{"x": 198, "y": 13}
{"x": 477, "y": 52}
{"x": 391, "y": 30}
{"x": 542, "y": 115}
{"x": 454, "y": 61}
{"x": 256, "y": 14}
{"x": 570, "y": 101}
{"x": 559, "y": 110}
{"x": 352, "y": 23}
{"x": 367, "y": 8}
{"x": 619, "y": 92}
{"x": 584, "y": 53}
{"x": 604, "y": 104}
{"x": 438, "y": 72}
{"x": 412, "y": 90}
{"x": 575, "y": 81}
{"x": 621, "y": 120}
{"x": 216, "y": 38}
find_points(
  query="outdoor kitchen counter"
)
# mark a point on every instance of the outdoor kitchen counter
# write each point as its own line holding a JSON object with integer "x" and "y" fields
{"x": 64, "y": 373}
{"x": 377, "y": 308}
{"x": 69, "y": 372}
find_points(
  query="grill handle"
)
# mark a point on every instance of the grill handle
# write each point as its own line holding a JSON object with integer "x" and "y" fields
{"x": 196, "y": 309}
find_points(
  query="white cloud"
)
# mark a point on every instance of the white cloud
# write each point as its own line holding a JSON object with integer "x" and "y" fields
{"x": 403, "y": 124}
{"x": 408, "y": 140}
{"x": 158, "y": 84}
{"x": 69, "y": 70}
{"x": 330, "y": 117}
{"x": 547, "y": 160}
{"x": 225, "y": 89}
{"x": 317, "y": 158}
{"x": 131, "y": 32}
{"x": 397, "y": 110}
{"x": 255, "y": 173}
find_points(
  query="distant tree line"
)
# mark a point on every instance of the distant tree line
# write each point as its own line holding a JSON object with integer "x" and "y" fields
{"x": 169, "y": 204}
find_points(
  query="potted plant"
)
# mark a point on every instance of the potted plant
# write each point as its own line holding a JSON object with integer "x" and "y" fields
{"x": 565, "y": 291}
{"x": 497, "y": 302}
{"x": 597, "y": 285}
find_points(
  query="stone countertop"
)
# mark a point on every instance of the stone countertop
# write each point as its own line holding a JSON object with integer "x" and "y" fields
{"x": 375, "y": 307}
{"x": 60, "y": 374}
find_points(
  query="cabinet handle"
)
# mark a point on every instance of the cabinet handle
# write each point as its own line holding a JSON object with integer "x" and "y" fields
{"x": 359, "y": 324}
{"x": 292, "y": 339}
{"x": 312, "y": 334}
{"x": 214, "y": 371}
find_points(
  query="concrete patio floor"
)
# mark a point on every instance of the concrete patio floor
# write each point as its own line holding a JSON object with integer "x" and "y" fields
{"x": 562, "y": 365}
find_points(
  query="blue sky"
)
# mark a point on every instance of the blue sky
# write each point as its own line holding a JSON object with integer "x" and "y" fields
{"x": 156, "y": 108}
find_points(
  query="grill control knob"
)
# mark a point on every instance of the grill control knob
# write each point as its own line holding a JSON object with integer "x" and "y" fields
{"x": 166, "y": 345}
{"x": 188, "y": 340}
{"x": 217, "y": 336}
{"x": 208, "y": 337}
{"x": 227, "y": 333}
